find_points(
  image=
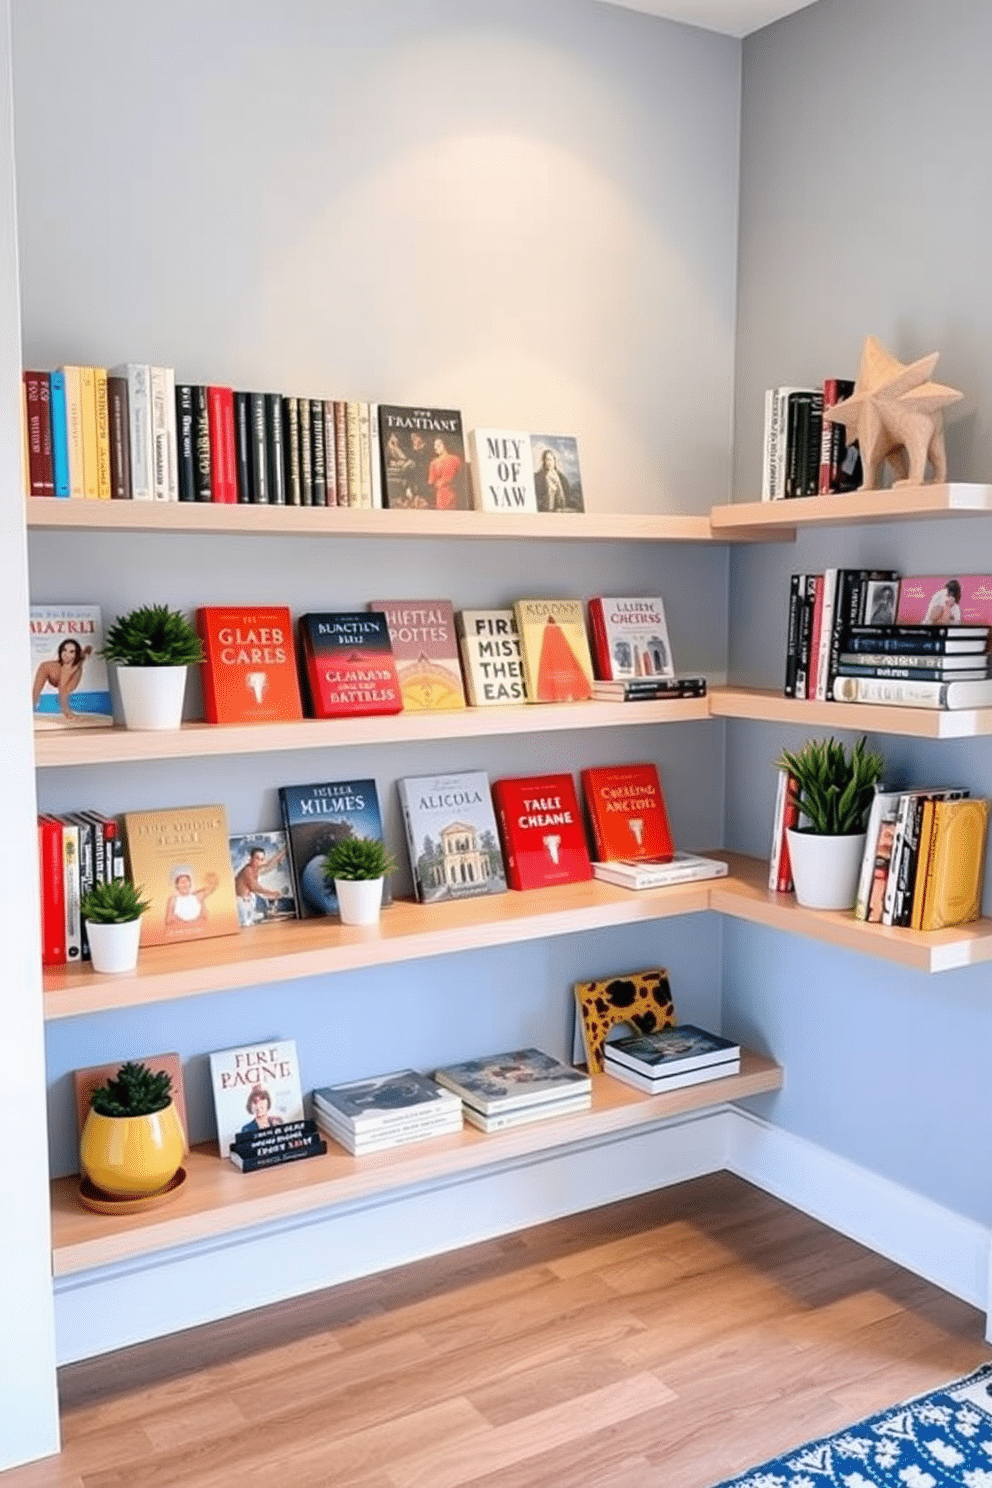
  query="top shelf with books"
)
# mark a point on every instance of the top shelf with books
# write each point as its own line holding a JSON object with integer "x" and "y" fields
{"x": 861, "y": 718}
{"x": 906, "y": 503}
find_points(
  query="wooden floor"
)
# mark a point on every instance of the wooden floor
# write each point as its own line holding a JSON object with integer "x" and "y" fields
{"x": 672, "y": 1340}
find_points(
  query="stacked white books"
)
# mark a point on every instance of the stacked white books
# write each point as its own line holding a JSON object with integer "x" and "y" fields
{"x": 657, "y": 873}
{"x": 671, "y": 1058}
{"x": 512, "y": 1089}
{"x": 385, "y": 1111}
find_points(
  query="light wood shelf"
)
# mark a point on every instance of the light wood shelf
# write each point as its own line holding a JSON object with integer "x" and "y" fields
{"x": 320, "y": 947}
{"x": 745, "y": 896}
{"x": 871, "y": 718}
{"x": 217, "y": 1199}
{"x": 904, "y": 503}
{"x": 62, "y": 748}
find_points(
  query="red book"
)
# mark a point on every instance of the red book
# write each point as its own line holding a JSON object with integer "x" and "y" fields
{"x": 223, "y": 466}
{"x": 627, "y": 812}
{"x": 52, "y": 891}
{"x": 37, "y": 399}
{"x": 249, "y": 669}
{"x": 786, "y": 815}
{"x": 541, "y": 826}
{"x": 349, "y": 664}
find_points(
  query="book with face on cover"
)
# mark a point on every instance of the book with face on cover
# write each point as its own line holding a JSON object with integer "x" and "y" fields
{"x": 249, "y": 664}
{"x": 555, "y": 649}
{"x": 70, "y": 688}
{"x": 557, "y": 478}
{"x": 509, "y": 1081}
{"x": 425, "y": 647}
{"x": 255, "y": 1087}
{"x": 491, "y": 659}
{"x": 451, "y": 836}
{"x": 945, "y": 599}
{"x": 181, "y": 859}
{"x": 315, "y": 816}
{"x": 540, "y": 822}
{"x": 423, "y": 458}
{"x": 263, "y": 877}
{"x": 501, "y": 470}
{"x": 627, "y": 812}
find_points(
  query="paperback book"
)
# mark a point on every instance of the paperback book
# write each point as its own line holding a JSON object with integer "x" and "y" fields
{"x": 557, "y": 477}
{"x": 673, "y": 1051}
{"x": 555, "y": 650}
{"x": 248, "y": 672}
{"x": 181, "y": 859}
{"x": 349, "y": 663}
{"x": 423, "y": 458}
{"x": 70, "y": 685}
{"x": 263, "y": 879}
{"x": 380, "y": 1103}
{"x": 942, "y": 599}
{"x": 278, "y": 1143}
{"x": 491, "y": 659}
{"x": 256, "y": 1088}
{"x": 630, "y": 639}
{"x": 541, "y": 829}
{"x": 517, "y": 1079}
{"x": 627, "y": 812}
{"x": 315, "y": 816}
{"x": 451, "y": 836}
{"x": 682, "y": 867}
{"x": 527, "y": 1115}
{"x": 649, "y": 689}
{"x": 501, "y": 470}
{"x": 425, "y": 648}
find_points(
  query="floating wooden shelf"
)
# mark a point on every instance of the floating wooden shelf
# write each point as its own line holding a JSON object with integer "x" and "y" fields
{"x": 906, "y": 503}
{"x": 105, "y": 746}
{"x": 217, "y": 1199}
{"x": 864, "y": 718}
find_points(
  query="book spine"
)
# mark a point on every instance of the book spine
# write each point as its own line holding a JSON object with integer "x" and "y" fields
{"x": 341, "y": 451}
{"x": 306, "y": 451}
{"x": 796, "y": 423}
{"x": 87, "y": 412}
{"x": 873, "y": 639}
{"x": 275, "y": 457}
{"x": 330, "y": 453}
{"x": 908, "y": 863}
{"x": 848, "y": 597}
{"x": 160, "y": 454}
{"x": 898, "y": 843}
{"x": 103, "y": 484}
{"x": 766, "y": 447}
{"x": 796, "y": 584}
{"x": 916, "y": 672}
{"x": 242, "y": 448}
{"x": 185, "y": 442}
{"x": 353, "y": 454}
{"x": 223, "y": 477}
{"x": 827, "y": 427}
{"x": 814, "y": 431}
{"x": 291, "y": 450}
{"x": 140, "y": 411}
{"x": 60, "y": 443}
{"x": 822, "y": 602}
{"x": 780, "y": 882}
{"x": 171, "y": 437}
{"x": 71, "y": 892}
{"x": 872, "y": 829}
{"x": 74, "y": 431}
{"x": 201, "y": 443}
{"x": 375, "y": 455}
{"x": 805, "y": 637}
{"x": 119, "y": 425}
{"x": 41, "y": 472}
{"x": 898, "y": 693}
{"x": 924, "y": 871}
{"x": 317, "y": 462}
{"x": 602, "y": 661}
{"x": 364, "y": 457}
{"x": 52, "y": 891}
{"x": 87, "y": 872}
{"x": 259, "y": 451}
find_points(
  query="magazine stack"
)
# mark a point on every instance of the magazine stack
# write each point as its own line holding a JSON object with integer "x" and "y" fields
{"x": 515, "y": 1088}
{"x": 385, "y": 1111}
{"x": 671, "y": 1058}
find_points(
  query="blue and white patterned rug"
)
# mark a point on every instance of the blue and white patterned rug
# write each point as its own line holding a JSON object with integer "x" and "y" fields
{"x": 939, "y": 1440}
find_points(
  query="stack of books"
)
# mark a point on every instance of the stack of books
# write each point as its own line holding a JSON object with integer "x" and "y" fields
{"x": 516, "y": 1088}
{"x": 924, "y": 858}
{"x": 671, "y": 1058}
{"x": 385, "y": 1111}
{"x": 680, "y": 867}
{"x": 915, "y": 666}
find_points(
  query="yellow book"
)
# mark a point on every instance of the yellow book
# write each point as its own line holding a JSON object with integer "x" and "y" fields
{"x": 102, "y": 433}
{"x": 953, "y": 892}
{"x": 87, "y": 408}
{"x": 555, "y": 650}
{"x": 74, "y": 429}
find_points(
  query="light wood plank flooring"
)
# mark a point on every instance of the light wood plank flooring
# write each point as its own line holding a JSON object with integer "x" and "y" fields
{"x": 666, "y": 1342}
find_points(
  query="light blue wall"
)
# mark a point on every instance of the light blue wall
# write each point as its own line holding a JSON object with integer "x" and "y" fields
{"x": 865, "y": 209}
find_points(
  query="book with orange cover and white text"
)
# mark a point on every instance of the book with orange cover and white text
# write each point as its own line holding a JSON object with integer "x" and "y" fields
{"x": 249, "y": 670}
{"x": 555, "y": 650}
{"x": 627, "y": 812}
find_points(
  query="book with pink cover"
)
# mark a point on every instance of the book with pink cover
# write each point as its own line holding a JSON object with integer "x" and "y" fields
{"x": 945, "y": 599}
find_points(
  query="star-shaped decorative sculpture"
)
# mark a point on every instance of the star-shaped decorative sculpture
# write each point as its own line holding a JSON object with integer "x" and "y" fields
{"x": 895, "y": 414}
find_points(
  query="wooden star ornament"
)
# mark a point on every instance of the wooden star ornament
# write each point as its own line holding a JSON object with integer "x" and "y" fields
{"x": 896, "y": 414}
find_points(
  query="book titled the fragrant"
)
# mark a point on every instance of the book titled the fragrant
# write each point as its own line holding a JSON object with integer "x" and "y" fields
{"x": 256, "y": 1088}
{"x": 425, "y": 648}
{"x": 423, "y": 458}
{"x": 451, "y": 835}
{"x": 509, "y": 1081}
{"x": 70, "y": 688}
{"x": 180, "y": 857}
{"x": 349, "y": 664}
{"x": 315, "y": 817}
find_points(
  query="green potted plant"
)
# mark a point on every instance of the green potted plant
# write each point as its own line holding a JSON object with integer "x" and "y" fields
{"x": 834, "y": 791}
{"x": 132, "y": 1142}
{"x": 357, "y": 868}
{"x": 112, "y": 912}
{"x": 153, "y": 648}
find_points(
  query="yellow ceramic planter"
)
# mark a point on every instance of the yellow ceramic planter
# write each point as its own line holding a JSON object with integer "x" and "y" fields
{"x": 129, "y": 1156}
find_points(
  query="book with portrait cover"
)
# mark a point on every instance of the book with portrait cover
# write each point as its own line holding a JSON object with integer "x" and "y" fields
{"x": 423, "y": 458}
{"x": 425, "y": 648}
{"x": 263, "y": 877}
{"x": 627, "y": 813}
{"x": 513, "y": 1080}
{"x": 255, "y": 1086}
{"x": 945, "y": 599}
{"x": 555, "y": 650}
{"x": 70, "y": 685}
{"x": 181, "y": 859}
{"x": 451, "y": 836}
{"x": 491, "y": 660}
{"x": 540, "y": 824}
{"x": 315, "y": 816}
{"x": 349, "y": 664}
{"x": 501, "y": 470}
{"x": 248, "y": 671}
{"x": 557, "y": 478}
{"x": 629, "y": 638}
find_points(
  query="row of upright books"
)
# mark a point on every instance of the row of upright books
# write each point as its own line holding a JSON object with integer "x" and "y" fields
{"x": 871, "y": 636}
{"x": 398, "y": 655}
{"x": 135, "y": 433}
{"x": 804, "y": 452}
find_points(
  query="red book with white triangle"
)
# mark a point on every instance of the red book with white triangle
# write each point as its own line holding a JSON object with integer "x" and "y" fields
{"x": 540, "y": 823}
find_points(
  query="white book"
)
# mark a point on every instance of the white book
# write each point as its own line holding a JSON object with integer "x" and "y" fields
{"x": 769, "y": 443}
{"x": 883, "y": 808}
{"x": 255, "y": 1086}
{"x": 158, "y": 390}
{"x": 375, "y": 455}
{"x": 139, "y": 412}
{"x": 669, "y": 1082}
{"x": 905, "y": 693}
{"x": 501, "y": 470}
{"x": 497, "y": 1083}
{"x": 361, "y": 1145}
{"x": 778, "y": 817}
{"x": 382, "y": 1101}
{"x": 629, "y": 873}
{"x": 525, "y": 1115}
{"x": 492, "y": 665}
{"x": 826, "y": 631}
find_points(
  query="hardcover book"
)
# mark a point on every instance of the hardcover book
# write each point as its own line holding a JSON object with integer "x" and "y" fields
{"x": 649, "y": 689}
{"x": 630, "y": 639}
{"x": 491, "y": 657}
{"x": 956, "y": 863}
{"x": 349, "y": 662}
{"x": 501, "y": 470}
{"x": 518, "y": 1078}
{"x": 180, "y": 858}
{"x": 423, "y": 458}
{"x": 919, "y": 640}
{"x": 255, "y": 1087}
{"x": 263, "y": 878}
{"x": 425, "y": 648}
{"x": 672, "y": 1051}
{"x": 555, "y": 650}
{"x": 249, "y": 670}
{"x": 451, "y": 836}
{"x": 942, "y": 599}
{"x": 557, "y": 478}
{"x": 627, "y": 812}
{"x": 41, "y": 464}
{"x": 541, "y": 829}
{"x": 315, "y": 817}
{"x": 70, "y": 686}
{"x": 681, "y": 867}
{"x": 381, "y": 1102}
{"x": 664, "y": 1085}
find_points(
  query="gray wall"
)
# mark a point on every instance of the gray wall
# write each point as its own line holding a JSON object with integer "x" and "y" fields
{"x": 865, "y": 209}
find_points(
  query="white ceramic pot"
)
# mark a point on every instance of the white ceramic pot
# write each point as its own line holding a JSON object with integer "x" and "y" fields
{"x": 152, "y": 697}
{"x": 114, "y": 947}
{"x": 825, "y": 870}
{"x": 359, "y": 900}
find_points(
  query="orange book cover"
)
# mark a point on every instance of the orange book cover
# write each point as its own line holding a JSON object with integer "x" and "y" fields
{"x": 249, "y": 672}
{"x": 555, "y": 650}
{"x": 181, "y": 859}
{"x": 627, "y": 812}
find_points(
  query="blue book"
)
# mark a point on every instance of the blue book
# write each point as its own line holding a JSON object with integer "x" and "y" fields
{"x": 60, "y": 438}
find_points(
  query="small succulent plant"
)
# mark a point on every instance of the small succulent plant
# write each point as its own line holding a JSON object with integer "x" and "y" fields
{"x": 153, "y": 636}
{"x": 357, "y": 858}
{"x": 116, "y": 902}
{"x": 134, "y": 1091}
